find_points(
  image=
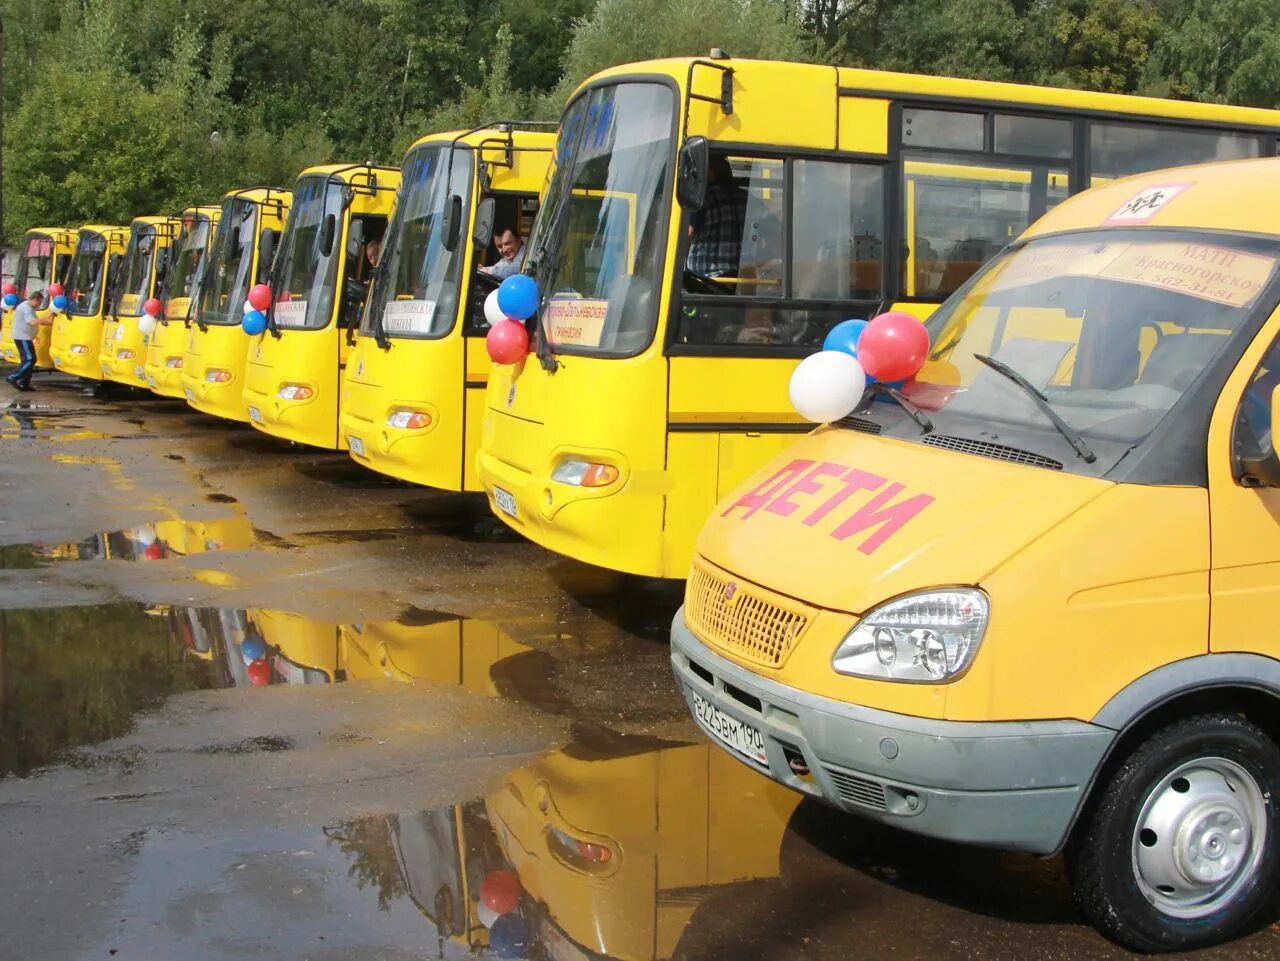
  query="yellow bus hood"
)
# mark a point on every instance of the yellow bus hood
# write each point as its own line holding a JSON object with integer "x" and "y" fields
{"x": 844, "y": 521}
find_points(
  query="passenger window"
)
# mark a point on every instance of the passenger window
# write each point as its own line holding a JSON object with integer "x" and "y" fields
{"x": 1121, "y": 149}
{"x": 1033, "y": 136}
{"x": 1251, "y": 438}
{"x": 944, "y": 129}
{"x": 837, "y": 237}
{"x": 735, "y": 240}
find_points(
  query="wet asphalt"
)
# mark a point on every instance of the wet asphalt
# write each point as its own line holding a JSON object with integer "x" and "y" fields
{"x": 257, "y": 702}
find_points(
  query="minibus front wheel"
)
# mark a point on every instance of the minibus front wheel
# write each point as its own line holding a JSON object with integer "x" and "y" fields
{"x": 1182, "y": 849}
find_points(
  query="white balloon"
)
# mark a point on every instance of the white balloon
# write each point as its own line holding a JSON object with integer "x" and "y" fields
{"x": 492, "y": 312}
{"x": 54, "y": 307}
{"x": 485, "y": 914}
{"x": 146, "y": 536}
{"x": 147, "y": 324}
{"x": 248, "y": 307}
{"x": 827, "y": 386}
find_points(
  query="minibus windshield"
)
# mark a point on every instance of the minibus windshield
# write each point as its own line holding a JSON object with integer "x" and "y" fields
{"x": 1090, "y": 337}
{"x": 415, "y": 292}
{"x": 598, "y": 244}
{"x": 85, "y": 282}
{"x": 226, "y": 286}
{"x": 184, "y": 276}
{"x": 35, "y": 265}
{"x": 135, "y": 272}
{"x": 304, "y": 277}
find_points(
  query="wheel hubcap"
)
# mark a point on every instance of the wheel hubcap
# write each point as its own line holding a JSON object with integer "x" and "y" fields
{"x": 1199, "y": 837}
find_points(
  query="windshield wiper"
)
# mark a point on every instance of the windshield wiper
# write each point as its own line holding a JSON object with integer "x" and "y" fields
{"x": 1042, "y": 402}
{"x": 917, "y": 415}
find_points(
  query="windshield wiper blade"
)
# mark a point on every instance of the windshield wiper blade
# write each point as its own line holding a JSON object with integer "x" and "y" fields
{"x": 1042, "y": 402}
{"x": 915, "y": 413}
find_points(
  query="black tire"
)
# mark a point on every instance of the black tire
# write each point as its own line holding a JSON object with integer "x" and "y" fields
{"x": 1102, "y": 856}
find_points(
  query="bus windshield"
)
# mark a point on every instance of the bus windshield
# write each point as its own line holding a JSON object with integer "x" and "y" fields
{"x": 416, "y": 289}
{"x": 85, "y": 281}
{"x": 1108, "y": 330}
{"x": 35, "y": 266}
{"x": 135, "y": 272}
{"x": 598, "y": 244}
{"x": 184, "y": 276}
{"x": 304, "y": 278}
{"x": 227, "y": 286}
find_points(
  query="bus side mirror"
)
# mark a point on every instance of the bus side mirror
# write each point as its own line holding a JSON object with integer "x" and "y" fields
{"x": 691, "y": 173}
{"x": 266, "y": 250}
{"x": 452, "y": 225}
{"x": 1263, "y": 469}
{"x": 328, "y": 230}
{"x": 162, "y": 266}
{"x": 482, "y": 234}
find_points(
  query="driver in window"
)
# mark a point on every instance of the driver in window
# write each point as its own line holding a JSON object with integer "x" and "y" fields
{"x": 716, "y": 229}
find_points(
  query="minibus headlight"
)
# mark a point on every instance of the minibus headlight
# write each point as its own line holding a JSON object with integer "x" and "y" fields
{"x": 173, "y": 363}
{"x": 295, "y": 392}
{"x": 79, "y": 348}
{"x": 581, "y": 473}
{"x": 215, "y": 376}
{"x": 126, "y": 354}
{"x": 928, "y": 637}
{"x": 409, "y": 419}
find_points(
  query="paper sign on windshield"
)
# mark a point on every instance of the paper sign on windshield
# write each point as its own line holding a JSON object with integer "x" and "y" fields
{"x": 291, "y": 312}
{"x": 1219, "y": 274}
{"x": 409, "y": 316}
{"x": 576, "y": 322}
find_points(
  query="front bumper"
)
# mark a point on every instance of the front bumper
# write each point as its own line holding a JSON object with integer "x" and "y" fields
{"x": 1014, "y": 785}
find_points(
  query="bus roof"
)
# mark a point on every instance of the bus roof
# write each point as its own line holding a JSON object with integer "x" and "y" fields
{"x": 344, "y": 171}
{"x": 259, "y": 195}
{"x": 521, "y": 139}
{"x": 152, "y": 220}
{"x": 1236, "y": 195}
{"x": 104, "y": 229}
{"x": 854, "y": 81}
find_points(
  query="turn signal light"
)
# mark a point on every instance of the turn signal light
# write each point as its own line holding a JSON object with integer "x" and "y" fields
{"x": 581, "y": 473}
{"x": 217, "y": 376}
{"x": 296, "y": 392}
{"x": 409, "y": 419}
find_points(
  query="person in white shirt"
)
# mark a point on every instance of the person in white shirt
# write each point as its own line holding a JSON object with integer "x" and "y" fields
{"x": 25, "y": 326}
{"x": 510, "y": 246}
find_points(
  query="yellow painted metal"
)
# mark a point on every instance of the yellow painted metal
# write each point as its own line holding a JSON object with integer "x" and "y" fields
{"x": 167, "y": 344}
{"x": 76, "y": 342}
{"x": 45, "y": 259}
{"x": 123, "y": 352}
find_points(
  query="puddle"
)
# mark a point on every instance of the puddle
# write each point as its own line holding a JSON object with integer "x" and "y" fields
{"x": 147, "y": 542}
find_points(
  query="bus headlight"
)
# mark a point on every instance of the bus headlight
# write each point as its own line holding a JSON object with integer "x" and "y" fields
{"x": 581, "y": 473}
{"x": 126, "y": 354}
{"x": 173, "y": 363}
{"x": 215, "y": 376}
{"x": 409, "y": 419}
{"x": 928, "y": 637}
{"x": 296, "y": 392}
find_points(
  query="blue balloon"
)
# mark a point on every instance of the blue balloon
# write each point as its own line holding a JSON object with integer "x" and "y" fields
{"x": 11, "y": 300}
{"x": 60, "y": 302}
{"x": 254, "y": 322}
{"x": 252, "y": 648}
{"x": 518, "y": 297}
{"x": 845, "y": 335}
{"x": 509, "y": 936}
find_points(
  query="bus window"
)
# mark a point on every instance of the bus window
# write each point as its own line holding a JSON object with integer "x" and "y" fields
{"x": 837, "y": 234}
{"x": 943, "y": 129}
{"x": 1121, "y": 149}
{"x": 1032, "y": 136}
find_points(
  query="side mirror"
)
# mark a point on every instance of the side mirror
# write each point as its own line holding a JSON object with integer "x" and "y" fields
{"x": 162, "y": 266}
{"x": 691, "y": 173}
{"x": 452, "y": 225}
{"x": 1262, "y": 468}
{"x": 266, "y": 251}
{"x": 355, "y": 235}
{"x": 328, "y": 230}
{"x": 482, "y": 233}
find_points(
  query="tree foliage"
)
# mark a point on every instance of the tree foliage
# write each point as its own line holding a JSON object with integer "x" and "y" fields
{"x": 110, "y": 109}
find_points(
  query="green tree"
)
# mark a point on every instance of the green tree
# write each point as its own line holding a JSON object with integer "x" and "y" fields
{"x": 1225, "y": 51}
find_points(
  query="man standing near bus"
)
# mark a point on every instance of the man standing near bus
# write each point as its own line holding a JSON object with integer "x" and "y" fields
{"x": 25, "y": 327}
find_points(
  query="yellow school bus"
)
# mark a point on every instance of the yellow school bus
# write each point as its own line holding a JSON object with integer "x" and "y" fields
{"x": 414, "y": 385}
{"x": 141, "y": 277}
{"x": 167, "y": 343}
{"x": 700, "y": 235}
{"x": 77, "y": 332}
{"x": 318, "y": 280}
{"x": 45, "y": 259}
{"x": 216, "y": 349}
{"x": 1033, "y": 611}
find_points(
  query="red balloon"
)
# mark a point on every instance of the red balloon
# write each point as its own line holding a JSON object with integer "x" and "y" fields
{"x": 153, "y": 551}
{"x": 153, "y": 306}
{"x": 56, "y": 290}
{"x": 507, "y": 342}
{"x": 259, "y": 296}
{"x": 500, "y": 892}
{"x": 894, "y": 346}
{"x": 259, "y": 672}
{"x": 9, "y": 289}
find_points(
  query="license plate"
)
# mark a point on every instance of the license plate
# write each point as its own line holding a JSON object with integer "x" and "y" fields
{"x": 255, "y": 414}
{"x": 356, "y": 445}
{"x": 743, "y": 738}
{"x": 506, "y": 503}
{"x": 57, "y": 362}
{"x": 151, "y": 382}
{"x": 191, "y": 394}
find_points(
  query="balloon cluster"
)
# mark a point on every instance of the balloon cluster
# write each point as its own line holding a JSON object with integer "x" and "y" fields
{"x": 151, "y": 311}
{"x": 887, "y": 348}
{"x": 254, "y": 651}
{"x": 254, "y": 320}
{"x": 499, "y": 900}
{"x": 10, "y": 292}
{"x": 506, "y": 309}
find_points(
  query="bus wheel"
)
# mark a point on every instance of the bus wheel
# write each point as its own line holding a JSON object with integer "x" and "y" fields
{"x": 1183, "y": 847}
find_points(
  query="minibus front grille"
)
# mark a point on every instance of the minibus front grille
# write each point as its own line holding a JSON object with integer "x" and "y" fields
{"x": 984, "y": 448}
{"x": 732, "y": 616}
{"x": 859, "y": 423}
{"x": 858, "y": 790}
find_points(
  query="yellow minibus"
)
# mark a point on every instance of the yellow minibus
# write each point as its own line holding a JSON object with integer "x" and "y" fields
{"x": 167, "y": 343}
{"x": 141, "y": 278}
{"x": 45, "y": 260}
{"x": 76, "y": 340}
